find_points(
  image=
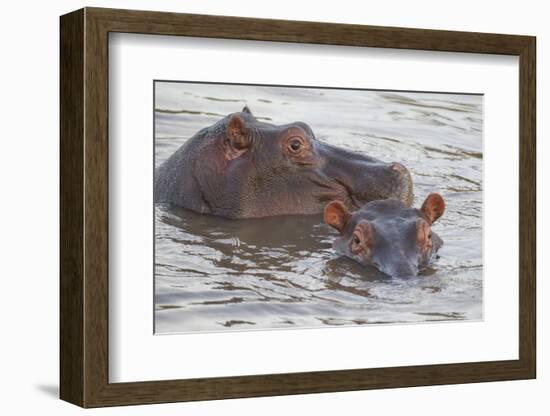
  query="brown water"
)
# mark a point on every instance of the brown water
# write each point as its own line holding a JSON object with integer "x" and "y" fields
{"x": 213, "y": 274}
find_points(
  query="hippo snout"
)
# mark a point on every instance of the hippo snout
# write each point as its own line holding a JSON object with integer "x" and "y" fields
{"x": 400, "y": 270}
{"x": 402, "y": 183}
{"x": 367, "y": 182}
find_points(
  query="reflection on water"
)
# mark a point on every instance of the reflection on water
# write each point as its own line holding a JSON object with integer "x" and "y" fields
{"x": 213, "y": 274}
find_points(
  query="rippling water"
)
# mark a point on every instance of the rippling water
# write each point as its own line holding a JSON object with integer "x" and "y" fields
{"x": 213, "y": 274}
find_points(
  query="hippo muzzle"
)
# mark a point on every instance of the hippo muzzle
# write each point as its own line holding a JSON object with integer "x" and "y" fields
{"x": 366, "y": 179}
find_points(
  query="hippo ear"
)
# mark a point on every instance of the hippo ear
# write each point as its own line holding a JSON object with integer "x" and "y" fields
{"x": 433, "y": 207}
{"x": 247, "y": 110}
{"x": 337, "y": 215}
{"x": 237, "y": 141}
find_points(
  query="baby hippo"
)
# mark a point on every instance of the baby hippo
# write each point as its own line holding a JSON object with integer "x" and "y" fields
{"x": 387, "y": 234}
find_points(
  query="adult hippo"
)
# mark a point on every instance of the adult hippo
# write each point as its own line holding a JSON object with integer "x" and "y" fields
{"x": 241, "y": 167}
{"x": 387, "y": 234}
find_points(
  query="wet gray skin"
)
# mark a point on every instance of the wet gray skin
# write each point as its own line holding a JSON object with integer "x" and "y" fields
{"x": 244, "y": 168}
{"x": 396, "y": 239}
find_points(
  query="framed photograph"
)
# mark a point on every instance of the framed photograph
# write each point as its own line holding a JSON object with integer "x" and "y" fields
{"x": 255, "y": 207}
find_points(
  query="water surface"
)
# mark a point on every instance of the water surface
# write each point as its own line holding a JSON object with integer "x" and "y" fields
{"x": 213, "y": 274}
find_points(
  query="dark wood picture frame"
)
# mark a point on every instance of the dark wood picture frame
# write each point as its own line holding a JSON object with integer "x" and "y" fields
{"x": 84, "y": 207}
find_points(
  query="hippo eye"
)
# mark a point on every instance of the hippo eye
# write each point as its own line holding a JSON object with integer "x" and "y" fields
{"x": 295, "y": 145}
{"x": 356, "y": 239}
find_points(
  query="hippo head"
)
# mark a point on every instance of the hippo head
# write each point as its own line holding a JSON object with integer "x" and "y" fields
{"x": 387, "y": 234}
{"x": 242, "y": 167}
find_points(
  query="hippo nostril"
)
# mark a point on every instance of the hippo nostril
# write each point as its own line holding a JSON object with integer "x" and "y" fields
{"x": 404, "y": 272}
{"x": 403, "y": 186}
{"x": 398, "y": 168}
